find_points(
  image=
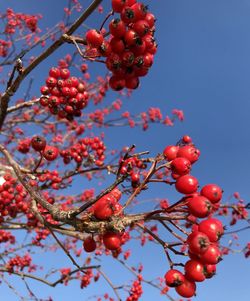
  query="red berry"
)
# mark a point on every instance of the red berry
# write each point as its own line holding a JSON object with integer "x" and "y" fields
{"x": 189, "y": 152}
{"x": 128, "y": 58}
{"x": 131, "y": 37}
{"x": 186, "y": 289}
{"x": 212, "y": 255}
{"x": 139, "y": 49}
{"x": 103, "y": 208}
{"x": 198, "y": 242}
{"x": 94, "y": 38}
{"x": 105, "y": 49}
{"x": 54, "y": 72}
{"x": 45, "y": 90}
{"x": 213, "y": 192}
{"x": 209, "y": 270}
{"x": 135, "y": 177}
{"x": 181, "y": 166}
{"x": 186, "y": 184}
{"x": 113, "y": 62}
{"x": 64, "y": 73}
{"x": 50, "y": 153}
{"x": 150, "y": 18}
{"x": 51, "y": 81}
{"x": 44, "y": 101}
{"x": 112, "y": 241}
{"x": 117, "y": 45}
{"x": 141, "y": 27}
{"x": 194, "y": 271}
{"x": 199, "y": 206}
{"x": 186, "y": 139}
{"x": 213, "y": 228}
{"x": 140, "y": 10}
{"x": 149, "y": 40}
{"x": 170, "y": 152}
{"x": 38, "y": 143}
{"x": 174, "y": 278}
{"x": 75, "y": 82}
{"x": 148, "y": 59}
{"x": 89, "y": 244}
{"x": 116, "y": 193}
{"x": 130, "y": 2}
{"x": 116, "y": 83}
{"x": 118, "y": 5}
{"x": 132, "y": 83}
{"x": 117, "y": 28}
{"x": 128, "y": 15}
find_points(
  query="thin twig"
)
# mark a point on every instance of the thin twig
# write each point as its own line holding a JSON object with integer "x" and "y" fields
{"x": 110, "y": 284}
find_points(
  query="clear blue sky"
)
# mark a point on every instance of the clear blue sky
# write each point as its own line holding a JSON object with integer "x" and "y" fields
{"x": 202, "y": 67}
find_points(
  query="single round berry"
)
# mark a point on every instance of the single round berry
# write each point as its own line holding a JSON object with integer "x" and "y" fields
{"x": 212, "y": 255}
{"x": 50, "y": 153}
{"x": 194, "y": 271}
{"x": 170, "y": 152}
{"x": 117, "y": 28}
{"x": 198, "y": 242}
{"x": 213, "y": 192}
{"x": 213, "y": 228}
{"x": 117, "y": 83}
{"x": 186, "y": 289}
{"x": 186, "y": 184}
{"x": 94, "y": 38}
{"x": 209, "y": 270}
{"x": 38, "y": 143}
{"x": 199, "y": 206}
{"x": 89, "y": 244}
{"x": 174, "y": 278}
{"x": 112, "y": 240}
{"x": 189, "y": 152}
{"x": 181, "y": 166}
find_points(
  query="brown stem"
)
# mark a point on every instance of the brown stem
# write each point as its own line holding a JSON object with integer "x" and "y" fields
{"x": 22, "y": 105}
{"x": 38, "y": 163}
{"x": 52, "y": 284}
{"x": 142, "y": 185}
{"x": 105, "y": 20}
{"x": 171, "y": 231}
{"x": 65, "y": 250}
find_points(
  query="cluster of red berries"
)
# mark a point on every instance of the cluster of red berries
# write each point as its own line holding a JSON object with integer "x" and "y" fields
{"x": 52, "y": 176}
{"x": 39, "y": 144}
{"x": 12, "y": 198}
{"x": 203, "y": 248}
{"x": 86, "y": 279}
{"x": 65, "y": 275}
{"x": 24, "y": 145}
{"x": 4, "y": 47}
{"x": 19, "y": 21}
{"x": 204, "y": 254}
{"x": 130, "y": 50}
{"x": 90, "y": 149}
{"x": 136, "y": 290}
{"x": 103, "y": 209}
{"x": 132, "y": 166}
{"x": 18, "y": 262}
{"x": 6, "y": 236}
{"x": 41, "y": 234}
{"x": 64, "y": 95}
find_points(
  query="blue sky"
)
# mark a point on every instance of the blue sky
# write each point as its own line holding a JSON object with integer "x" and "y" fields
{"x": 202, "y": 67}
